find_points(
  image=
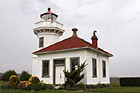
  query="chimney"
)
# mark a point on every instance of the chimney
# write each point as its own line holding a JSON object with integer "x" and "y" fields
{"x": 94, "y": 40}
{"x": 74, "y": 32}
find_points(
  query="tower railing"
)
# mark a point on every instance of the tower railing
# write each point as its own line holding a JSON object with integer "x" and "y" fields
{"x": 48, "y": 24}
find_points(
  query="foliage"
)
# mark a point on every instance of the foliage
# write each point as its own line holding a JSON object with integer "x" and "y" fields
{"x": 37, "y": 87}
{"x": 97, "y": 86}
{"x": 49, "y": 86}
{"x": 27, "y": 86}
{"x": 7, "y": 75}
{"x": 14, "y": 80}
{"x": 115, "y": 88}
{"x": 1, "y": 78}
{"x": 9, "y": 86}
{"x": 81, "y": 86}
{"x": 91, "y": 86}
{"x": 12, "y": 84}
{"x": 24, "y": 76}
{"x": 132, "y": 81}
{"x": 34, "y": 80}
{"x": 73, "y": 77}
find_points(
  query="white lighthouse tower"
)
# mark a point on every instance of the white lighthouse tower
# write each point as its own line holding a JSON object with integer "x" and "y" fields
{"x": 48, "y": 30}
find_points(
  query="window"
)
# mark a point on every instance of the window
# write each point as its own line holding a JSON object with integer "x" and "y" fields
{"x": 104, "y": 68}
{"x": 45, "y": 68}
{"x": 59, "y": 62}
{"x": 41, "y": 42}
{"x": 74, "y": 63}
{"x": 94, "y": 67}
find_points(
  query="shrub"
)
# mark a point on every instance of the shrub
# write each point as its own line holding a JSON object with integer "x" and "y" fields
{"x": 24, "y": 76}
{"x": 49, "y": 86}
{"x": 97, "y": 86}
{"x": 132, "y": 81}
{"x": 35, "y": 87}
{"x": 14, "y": 80}
{"x": 27, "y": 86}
{"x": 8, "y": 85}
{"x": 1, "y": 78}
{"x": 4, "y": 86}
{"x": 94, "y": 86}
{"x": 73, "y": 77}
{"x": 34, "y": 80}
{"x": 81, "y": 86}
{"x": 7, "y": 75}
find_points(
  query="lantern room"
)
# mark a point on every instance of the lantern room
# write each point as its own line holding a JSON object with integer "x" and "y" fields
{"x": 49, "y": 16}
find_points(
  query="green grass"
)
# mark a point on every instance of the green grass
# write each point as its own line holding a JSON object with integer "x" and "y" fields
{"x": 46, "y": 91}
{"x": 117, "y": 89}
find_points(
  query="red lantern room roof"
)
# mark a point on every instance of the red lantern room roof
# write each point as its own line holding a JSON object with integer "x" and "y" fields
{"x": 49, "y": 12}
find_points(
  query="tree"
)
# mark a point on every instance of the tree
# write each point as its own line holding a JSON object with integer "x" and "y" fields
{"x": 24, "y": 76}
{"x": 7, "y": 75}
{"x": 73, "y": 77}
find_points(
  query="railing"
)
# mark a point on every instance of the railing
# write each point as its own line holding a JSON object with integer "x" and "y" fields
{"x": 48, "y": 24}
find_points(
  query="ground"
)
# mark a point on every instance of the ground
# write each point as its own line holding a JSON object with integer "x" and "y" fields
{"x": 114, "y": 88}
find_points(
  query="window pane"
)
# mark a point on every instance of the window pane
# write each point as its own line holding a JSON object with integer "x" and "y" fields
{"x": 74, "y": 63}
{"x": 45, "y": 68}
{"x": 59, "y": 62}
{"x": 104, "y": 68}
{"x": 41, "y": 41}
{"x": 94, "y": 67}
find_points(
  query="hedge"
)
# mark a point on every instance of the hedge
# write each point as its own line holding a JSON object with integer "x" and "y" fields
{"x": 130, "y": 81}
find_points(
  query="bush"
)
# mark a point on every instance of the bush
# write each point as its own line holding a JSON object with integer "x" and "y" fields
{"x": 1, "y": 78}
{"x": 34, "y": 80}
{"x": 5, "y": 86}
{"x": 74, "y": 76}
{"x": 14, "y": 80}
{"x": 9, "y": 86}
{"x": 27, "y": 86}
{"x": 75, "y": 87}
{"x": 35, "y": 87}
{"x": 132, "y": 81}
{"x": 24, "y": 76}
{"x": 81, "y": 86}
{"x": 49, "y": 86}
{"x": 7, "y": 75}
{"x": 91, "y": 86}
{"x": 97, "y": 86}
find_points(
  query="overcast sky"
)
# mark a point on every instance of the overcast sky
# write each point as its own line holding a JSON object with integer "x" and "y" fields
{"x": 117, "y": 23}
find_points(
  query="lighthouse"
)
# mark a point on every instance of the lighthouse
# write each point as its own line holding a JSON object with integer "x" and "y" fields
{"x": 48, "y": 30}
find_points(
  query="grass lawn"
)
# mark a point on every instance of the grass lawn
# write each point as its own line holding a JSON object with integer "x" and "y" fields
{"x": 112, "y": 89}
{"x": 117, "y": 89}
{"x": 46, "y": 91}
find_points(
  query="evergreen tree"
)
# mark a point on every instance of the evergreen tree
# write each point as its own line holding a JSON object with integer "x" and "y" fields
{"x": 25, "y": 76}
{"x": 7, "y": 75}
{"x": 73, "y": 77}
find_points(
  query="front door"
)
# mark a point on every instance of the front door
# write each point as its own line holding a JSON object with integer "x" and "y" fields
{"x": 59, "y": 75}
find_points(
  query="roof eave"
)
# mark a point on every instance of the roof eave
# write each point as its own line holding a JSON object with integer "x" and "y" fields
{"x": 110, "y": 55}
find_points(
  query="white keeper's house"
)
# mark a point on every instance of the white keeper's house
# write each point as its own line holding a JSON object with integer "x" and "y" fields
{"x": 54, "y": 56}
